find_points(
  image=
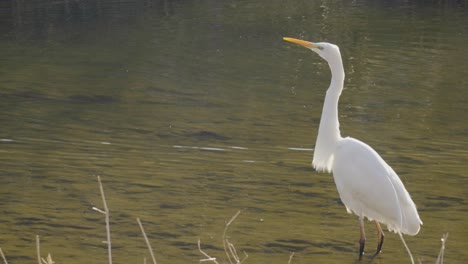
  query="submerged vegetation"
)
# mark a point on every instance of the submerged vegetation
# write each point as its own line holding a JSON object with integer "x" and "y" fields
{"x": 232, "y": 255}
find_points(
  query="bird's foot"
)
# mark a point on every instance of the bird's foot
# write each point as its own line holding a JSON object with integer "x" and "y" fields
{"x": 362, "y": 243}
{"x": 379, "y": 245}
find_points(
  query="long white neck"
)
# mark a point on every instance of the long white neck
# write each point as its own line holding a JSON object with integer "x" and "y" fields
{"x": 329, "y": 129}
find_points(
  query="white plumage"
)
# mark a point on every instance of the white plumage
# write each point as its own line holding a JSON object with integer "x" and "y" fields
{"x": 367, "y": 185}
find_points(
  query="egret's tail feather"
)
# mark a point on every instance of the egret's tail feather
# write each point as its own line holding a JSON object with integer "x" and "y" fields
{"x": 407, "y": 248}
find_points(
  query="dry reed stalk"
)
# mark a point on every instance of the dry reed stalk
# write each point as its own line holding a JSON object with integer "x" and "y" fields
{"x": 208, "y": 257}
{"x": 147, "y": 241}
{"x": 227, "y": 245}
{"x": 440, "y": 258}
{"x": 229, "y": 248}
{"x": 106, "y": 214}
{"x": 38, "y": 249}
{"x": 291, "y": 257}
{"x": 3, "y": 256}
{"x": 48, "y": 260}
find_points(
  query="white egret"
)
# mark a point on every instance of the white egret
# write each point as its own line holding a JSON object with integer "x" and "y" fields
{"x": 367, "y": 185}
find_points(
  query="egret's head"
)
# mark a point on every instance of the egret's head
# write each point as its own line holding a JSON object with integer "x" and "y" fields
{"x": 326, "y": 50}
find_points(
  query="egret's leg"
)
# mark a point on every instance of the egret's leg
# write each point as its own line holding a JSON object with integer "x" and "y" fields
{"x": 362, "y": 240}
{"x": 381, "y": 235}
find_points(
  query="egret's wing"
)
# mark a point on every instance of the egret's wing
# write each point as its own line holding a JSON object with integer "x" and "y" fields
{"x": 369, "y": 187}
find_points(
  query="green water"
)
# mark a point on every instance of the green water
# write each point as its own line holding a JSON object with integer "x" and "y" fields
{"x": 193, "y": 110}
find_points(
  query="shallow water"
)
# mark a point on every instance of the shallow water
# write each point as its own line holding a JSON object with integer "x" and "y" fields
{"x": 191, "y": 111}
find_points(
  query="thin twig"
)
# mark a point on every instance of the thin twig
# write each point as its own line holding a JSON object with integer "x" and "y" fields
{"x": 440, "y": 258}
{"x": 147, "y": 241}
{"x": 233, "y": 251}
{"x": 209, "y": 258}
{"x": 229, "y": 248}
{"x": 3, "y": 256}
{"x": 106, "y": 214}
{"x": 48, "y": 260}
{"x": 234, "y": 254}
{"x": 291, "y": 257}
{"x": 225, "y": 242}
{"x": 246, "y": 256}
{"x": 38, "y": 249}
{"x": 407, "y": 248}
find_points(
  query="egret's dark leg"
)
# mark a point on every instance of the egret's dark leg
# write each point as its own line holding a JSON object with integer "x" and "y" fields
{"x": 362, "y": 240}
{"x": 381, "y": 235}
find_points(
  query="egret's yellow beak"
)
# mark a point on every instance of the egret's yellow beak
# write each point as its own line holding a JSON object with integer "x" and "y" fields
{"x": 304, "y": 43}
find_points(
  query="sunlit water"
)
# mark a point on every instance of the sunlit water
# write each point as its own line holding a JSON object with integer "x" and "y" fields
{"x": 191, "y": 111}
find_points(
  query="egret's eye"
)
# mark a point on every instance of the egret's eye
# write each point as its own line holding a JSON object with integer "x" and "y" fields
{"x": 320, "y": 47}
